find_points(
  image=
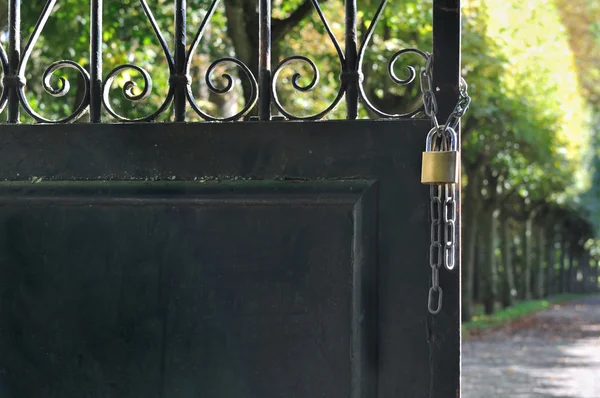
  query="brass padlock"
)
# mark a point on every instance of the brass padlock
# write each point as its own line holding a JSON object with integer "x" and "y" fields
{"x": 440, "y": 167}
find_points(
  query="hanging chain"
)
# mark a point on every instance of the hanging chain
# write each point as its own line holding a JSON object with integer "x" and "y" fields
{"x": 435, "y": 249}
{"x": 443, "y": 196}
{"x": 449, "y": 226}
{"x": 430, "y": 102}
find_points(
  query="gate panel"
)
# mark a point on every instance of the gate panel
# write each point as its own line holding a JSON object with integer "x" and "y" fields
{"x": 233, "y": 263}
{"x": 257, "y": 294}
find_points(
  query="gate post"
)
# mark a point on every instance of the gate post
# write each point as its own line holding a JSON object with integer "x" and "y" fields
{"x": 351, "y": 66}
{"x": 179, "y": 99}
{"x": 264, "y": 60}
{"x": 14, "y": 58}
{"x": 95, "y": 61}
{"x": 444, "y": 328}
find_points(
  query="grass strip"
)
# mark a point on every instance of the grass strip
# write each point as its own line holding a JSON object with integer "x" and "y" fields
{"x": 500, "y": 318}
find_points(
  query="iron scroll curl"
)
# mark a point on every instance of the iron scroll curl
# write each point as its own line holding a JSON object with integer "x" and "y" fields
{"x": 5, "y": 70}
{"x": 315, "y": 74}
{"x": 63, "y": 86}
{"x": 177, "y": 79}
{"x": 352, "y": 73}
{"x": 179, "y": 92}
{"x": 128, "y": 93}
{"x": 129, "y": 85}
{"x": 391, "y": 62}
{"x": 230, "y": 81}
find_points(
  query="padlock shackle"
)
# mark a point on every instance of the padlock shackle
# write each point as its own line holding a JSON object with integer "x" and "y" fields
{"x": 442, "y": 130}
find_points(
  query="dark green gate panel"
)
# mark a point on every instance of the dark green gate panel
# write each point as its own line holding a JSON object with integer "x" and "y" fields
{"x": 212, "y": 262}
{"x": 246, "y": 296}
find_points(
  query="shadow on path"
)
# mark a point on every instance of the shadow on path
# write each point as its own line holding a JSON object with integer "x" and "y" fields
{"x": 556, "y": 356}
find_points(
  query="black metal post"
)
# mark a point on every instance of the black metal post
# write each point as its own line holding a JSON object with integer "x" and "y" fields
{"x": 14, "y": 58}
{"x": 180, "y": 82}
{"x": 95, "y": 61}
{"x": 264, "y": 60}
{"x": 446, "y": 53}
{"x": 445, "y": 326}
{"x": 351, "y": 67}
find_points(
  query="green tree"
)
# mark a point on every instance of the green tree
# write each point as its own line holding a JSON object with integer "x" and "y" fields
{"x": 528, "y": 136}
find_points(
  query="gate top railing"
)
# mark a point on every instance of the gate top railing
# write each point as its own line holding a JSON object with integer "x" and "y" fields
{"x": 261, "y": 80}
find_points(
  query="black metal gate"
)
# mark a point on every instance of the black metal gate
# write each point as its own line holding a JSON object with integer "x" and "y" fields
{"x": 253, "y": 259}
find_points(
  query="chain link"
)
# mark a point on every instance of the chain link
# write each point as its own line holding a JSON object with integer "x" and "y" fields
{"x": 449, "y": 226}
{"x": 461, "y": 106}
{"x": 443, "y": 212}
{"x": 435, "y": 249}
{"x": 449, "y": 213}
{"x": 430, "y": 102}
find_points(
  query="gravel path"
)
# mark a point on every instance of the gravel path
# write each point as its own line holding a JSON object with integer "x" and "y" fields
{"x": 557, "y": 355}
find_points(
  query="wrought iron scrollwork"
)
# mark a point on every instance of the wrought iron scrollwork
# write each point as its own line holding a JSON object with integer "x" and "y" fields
{"x": 397, "y": 80}
{"x": 230, "y": 82}
{"x": 128, "y": 93}
{"x": 351, "y": 75}
{"x": 391, "y": 73}
{"x": 96, "y": 93}
{"x": 129, "y": 85}
{"x": 315, "y": 71}
{"x": 5, "y": 71}
{"x": 63, "y": 86}
{"x": 177, "y": 79}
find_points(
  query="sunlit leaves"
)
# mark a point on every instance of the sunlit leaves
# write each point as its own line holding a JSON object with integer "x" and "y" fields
{"x": 529, "y": 121}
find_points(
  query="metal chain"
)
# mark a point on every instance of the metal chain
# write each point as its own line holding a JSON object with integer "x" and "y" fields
{"x": 449, "y": 226}
{"x": 461, "y": 106}
{"x": 435, "y": 249}
{"x": 430, "y": 103}
{"x": 429, "y": 100}
{"x": 443, "y": 213}
{"x": 449, "y": 215}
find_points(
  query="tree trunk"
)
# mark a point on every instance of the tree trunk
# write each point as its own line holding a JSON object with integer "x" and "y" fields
{"x": 243, "y": 30}
{"x": 518, "y": 265}
{"x": 562, "y": 273}
{"x": 571, "y": 274}
{"x": 539, "y": 269}
{"x": 526, "y": 259}
{"x": 508, "y": 279}
{"x": 479, "y": 261}
{"x": 476, "y": 270}
{"x": 490, "y": 275}
{"x": 515, "y": 270}
{"x": 585, "y": 271}
{"x": 551, "y": 259}
{"x": 596, "y": 286}
{"x": 470, "y": 213}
